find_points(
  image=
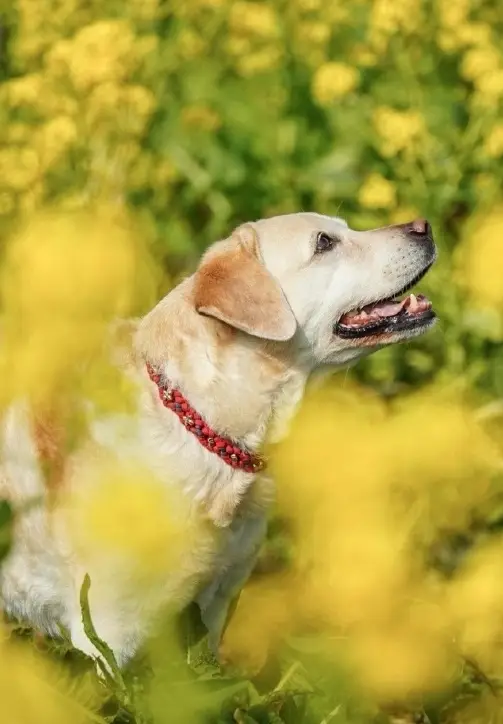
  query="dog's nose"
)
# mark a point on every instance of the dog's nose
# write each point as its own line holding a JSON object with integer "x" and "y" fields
{"x": 418, "y": 227}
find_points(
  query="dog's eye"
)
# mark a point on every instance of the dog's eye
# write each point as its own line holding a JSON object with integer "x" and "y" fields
{"x": 324, "y": 242}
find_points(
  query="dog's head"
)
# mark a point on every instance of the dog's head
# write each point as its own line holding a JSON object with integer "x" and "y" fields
{"x": 311, "y": 279}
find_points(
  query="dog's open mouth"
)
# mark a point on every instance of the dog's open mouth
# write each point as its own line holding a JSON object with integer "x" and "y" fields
{"x": 386, "y": 317}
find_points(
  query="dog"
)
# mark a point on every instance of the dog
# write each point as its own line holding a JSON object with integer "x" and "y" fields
{"x": 220, "y": 362}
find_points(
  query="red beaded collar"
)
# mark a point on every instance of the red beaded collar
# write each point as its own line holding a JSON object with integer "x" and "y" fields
{"x": 233, "y": 455}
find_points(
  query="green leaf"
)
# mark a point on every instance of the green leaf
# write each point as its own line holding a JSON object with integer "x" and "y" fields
{"x": 115, "y": 680}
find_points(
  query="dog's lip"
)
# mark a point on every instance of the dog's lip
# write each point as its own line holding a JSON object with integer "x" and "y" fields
{"x": 411, "y": 305}
{"x": 392, "y": 324}
{"x": 396, "y": 315}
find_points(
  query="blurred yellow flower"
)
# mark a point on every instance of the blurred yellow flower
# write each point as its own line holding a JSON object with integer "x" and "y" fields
{"x": 477, "y": 62}
{"x": 308, "y": 6}
{"x": 390, "y": 16}
{"x": 398, "y": 130}
{"x": 19, "y": 167}
{"x": 103, "y": 51}
{"x": 55, "y": 138}
{"x": 24, "y": 90}
{"x": 253, "y": 18}
{"x": 377, "y": 193}
{"x": 452, "y": 14}
{"x": 7, "y": 203}
{"x": 493, "y": 145}
{"x": 259, "y": 61}
{"x": 475, "y": 603}
{"x": 361, "y": 528}
{"x": 144, "y": 9}
{"x": 119, "y": 509}
{"x": 333, "y": 81}
{"x": 481, "y": 259}
{"x": 474, "y": 34}
{"x": 490, "y": 86}
{"x": 35, "y": 690}
{"x": 316, "y": 33}
{"x": 40, "y": 295}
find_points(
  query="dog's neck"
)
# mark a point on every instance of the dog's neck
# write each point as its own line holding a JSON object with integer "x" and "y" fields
{"x": 240, "y": 385}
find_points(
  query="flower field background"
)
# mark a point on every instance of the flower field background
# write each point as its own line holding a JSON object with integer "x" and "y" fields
{"x": 135, "y": 132}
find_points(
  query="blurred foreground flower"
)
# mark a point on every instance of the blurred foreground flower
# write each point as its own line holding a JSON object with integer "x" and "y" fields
{"x": 117, "y": 510}
{"x": 34, "y": 691}
{"x": 480, "y": 269}
{"x": 368, "y": 490}
{"x": 65, "y": 279}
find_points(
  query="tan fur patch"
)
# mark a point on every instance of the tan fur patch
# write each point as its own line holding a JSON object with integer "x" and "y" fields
{"x": 50, "y": 437}
{"x": 234, "y": 287}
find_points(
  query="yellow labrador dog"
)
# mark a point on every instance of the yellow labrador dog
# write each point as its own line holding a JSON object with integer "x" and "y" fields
{"x": 222, "y": 360}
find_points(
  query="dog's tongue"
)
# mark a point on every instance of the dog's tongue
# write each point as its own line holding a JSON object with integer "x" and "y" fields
{"x": 373, "y": 312}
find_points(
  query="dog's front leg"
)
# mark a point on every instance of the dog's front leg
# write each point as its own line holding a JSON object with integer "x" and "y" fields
{"x": 236, "y": 563}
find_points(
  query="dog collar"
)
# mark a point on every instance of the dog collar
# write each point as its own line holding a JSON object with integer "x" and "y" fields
{"x": 230, "y": 453}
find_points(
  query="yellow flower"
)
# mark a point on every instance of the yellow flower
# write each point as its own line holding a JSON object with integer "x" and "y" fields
{"x": 481, "y": 260}
{"x": 24, "y": 91}
{"x": 333, "y": 81}
{"x": 389, "y": 17}
{"x": 357, "y": 543}
{"x": 37, "y": 691}
{"x": 259, "y": 62}
{"x": 253, "y": 18}
{"x": 314, "y": 32}
{"x": 493, "y": 145}
{"x": 453, "y": 14}
{"x": 18, "y": 133}
{"x": 490, "y": 85}
{"x": 121, "y": 510}
{"x": 397, "y": 130}
{"x": 103, "y": 51}
{"x": 144, "y": 9}
{"x": 474, "y": 34}
{"x": 57, "y": 58}
{"x": 41, "y": 296}
{"x": 308, "y": 5}
{"x": 477, "y": 62}
{"x": 19, "y": 167}
{"x": 7, "y": 203}
{"x": 377, "y": 193}
{"x": 55, "y": 138}
{"x": 448, "y": 41}
{"x": 31, "y": 199}
{"x": 139, "y": 104}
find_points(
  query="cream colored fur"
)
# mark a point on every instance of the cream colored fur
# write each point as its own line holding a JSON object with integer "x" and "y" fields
{"x": 240, "y": 338}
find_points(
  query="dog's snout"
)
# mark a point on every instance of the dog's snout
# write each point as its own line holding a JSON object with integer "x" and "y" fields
{"x": 419, "y": 228}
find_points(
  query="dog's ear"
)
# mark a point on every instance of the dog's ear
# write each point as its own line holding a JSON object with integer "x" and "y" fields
{"x": 233, "y": 285}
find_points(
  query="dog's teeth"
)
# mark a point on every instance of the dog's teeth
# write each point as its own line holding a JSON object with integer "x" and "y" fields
{"x": 413, "y": 306}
